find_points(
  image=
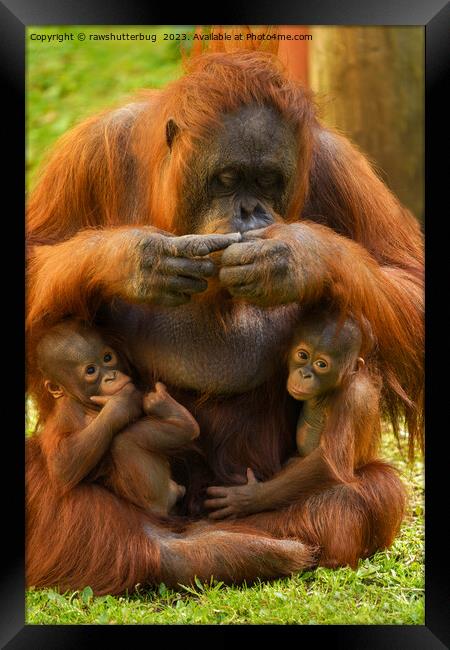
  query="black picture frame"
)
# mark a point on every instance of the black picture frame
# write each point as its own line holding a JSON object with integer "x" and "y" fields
{"x": 15, "y": 15}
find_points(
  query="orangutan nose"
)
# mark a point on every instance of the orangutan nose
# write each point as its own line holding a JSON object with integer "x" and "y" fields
{"x": 111, "y": 376}
{"x": 248, "y": 206}
{"x": 251, "y": 215}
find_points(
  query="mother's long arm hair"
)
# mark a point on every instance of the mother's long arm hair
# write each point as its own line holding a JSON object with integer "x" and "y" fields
{"x": 384, "y": 283}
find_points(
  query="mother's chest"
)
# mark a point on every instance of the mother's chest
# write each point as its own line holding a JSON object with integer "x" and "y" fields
{"x": 198, "y": 348}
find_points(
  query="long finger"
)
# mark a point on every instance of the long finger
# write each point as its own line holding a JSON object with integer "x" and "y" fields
{"x": 237, "y": 275}
{"x": 216, "y": 491}
{"x": 99, "y": 399}
{"x": 259, "y": 233}
{"x": 239, "y": 254}
{"x": 199, "y": 245}
{"x": 185, "y": 285}
{"x": 221, "y": 514}
{"x": 215, "y": 504}
{"x": 198, "y": 268}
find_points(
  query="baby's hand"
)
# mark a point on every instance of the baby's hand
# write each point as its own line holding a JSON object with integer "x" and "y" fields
{"x": 125, "y": 406}
{"x": 234, "y": 501}
{"x": 159, "y": 403}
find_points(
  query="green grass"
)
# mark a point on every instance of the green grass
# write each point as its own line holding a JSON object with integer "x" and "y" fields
{"x": 67, "y": 82}
{"x": 387, "y": 588}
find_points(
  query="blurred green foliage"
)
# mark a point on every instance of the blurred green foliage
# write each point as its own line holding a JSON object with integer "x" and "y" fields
{"x": 70, "y": 80}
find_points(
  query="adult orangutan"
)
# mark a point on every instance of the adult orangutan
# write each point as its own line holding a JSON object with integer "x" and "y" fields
{"x": 197, "y": 223}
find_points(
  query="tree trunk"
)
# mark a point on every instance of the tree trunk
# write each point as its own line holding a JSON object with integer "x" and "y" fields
{"x": 370, "y": 83}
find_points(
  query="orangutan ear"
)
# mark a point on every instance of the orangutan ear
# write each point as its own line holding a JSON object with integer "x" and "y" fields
{"x": 360, "y": 363}
{"x": 54, "y": 390}
{"x": 171, "y": 132}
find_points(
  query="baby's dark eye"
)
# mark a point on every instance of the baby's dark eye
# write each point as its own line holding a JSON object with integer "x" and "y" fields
{"x": 302, "y": 355}
{"x": 321, "y": 363}
{"x": 107, "y": 357}
{"x": 91, "y": 370}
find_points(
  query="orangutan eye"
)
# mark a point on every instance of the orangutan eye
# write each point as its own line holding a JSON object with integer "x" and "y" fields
{"x": 320, "y": 363}
{"x": 267, "y": 180}
{"x": 91, "y": 370}
{"x": 303, "y": 355}
{"x": 227, "y": 179}
{"x": 107, "y": 357}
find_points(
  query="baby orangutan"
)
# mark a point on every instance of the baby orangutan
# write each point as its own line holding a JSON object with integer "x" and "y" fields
{"x": 102, "y": 428}
{"x": 323, "y": 357}
{"x": 340, "y": 414}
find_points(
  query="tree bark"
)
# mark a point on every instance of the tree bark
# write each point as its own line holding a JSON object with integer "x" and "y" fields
{"x": 370, "y": 83}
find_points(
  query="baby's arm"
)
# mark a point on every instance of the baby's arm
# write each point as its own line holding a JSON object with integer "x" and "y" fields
{"x": 299, "y": 477}
{"x": 78, "y": 453}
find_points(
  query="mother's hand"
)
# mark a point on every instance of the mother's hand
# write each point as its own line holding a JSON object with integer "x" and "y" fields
{"x": 263, "y": 268}
{"x": 172, "y": 269}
